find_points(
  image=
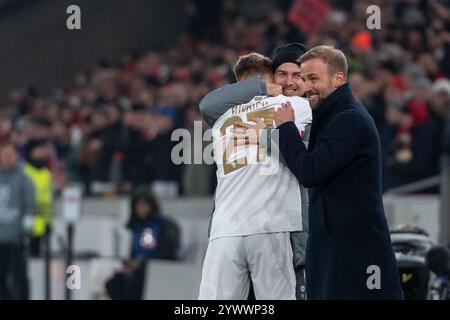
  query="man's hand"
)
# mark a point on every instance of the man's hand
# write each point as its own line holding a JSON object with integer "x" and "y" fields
{"x": 273, "y": 89}
{"x": 248, "y": 133}
{"x": 284, "y": 114}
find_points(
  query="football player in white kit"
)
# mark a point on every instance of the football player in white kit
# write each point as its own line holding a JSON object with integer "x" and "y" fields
{"x": 256, "y": 203}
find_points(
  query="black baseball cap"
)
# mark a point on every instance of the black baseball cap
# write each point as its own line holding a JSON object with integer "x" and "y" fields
{"x": 287, "y": 53}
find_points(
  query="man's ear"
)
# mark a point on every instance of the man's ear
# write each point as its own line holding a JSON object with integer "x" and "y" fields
{"x": 338, "y": 79}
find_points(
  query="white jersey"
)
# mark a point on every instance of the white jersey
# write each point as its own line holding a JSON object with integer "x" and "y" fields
{"x": 255, "y": 192}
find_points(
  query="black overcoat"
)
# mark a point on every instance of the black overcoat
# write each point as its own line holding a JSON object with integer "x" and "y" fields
{"x": 349, "y": 253}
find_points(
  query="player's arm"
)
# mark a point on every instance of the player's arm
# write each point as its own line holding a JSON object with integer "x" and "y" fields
{"x": 217, "y": 102}
{"x": 336, "y": 148}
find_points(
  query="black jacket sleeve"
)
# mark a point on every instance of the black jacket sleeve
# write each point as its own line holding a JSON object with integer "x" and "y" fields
{"x": 336, "y": 147}
{"x": 217, "y": 102}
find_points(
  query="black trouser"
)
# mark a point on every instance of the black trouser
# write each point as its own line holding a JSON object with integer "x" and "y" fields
{"x": 13, "y": 272}
{"x": 300, "y": 285}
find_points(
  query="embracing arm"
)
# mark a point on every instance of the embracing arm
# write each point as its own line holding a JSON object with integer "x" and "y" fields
{"x": 337, "y": 147}
{"x": 217, "y": 102}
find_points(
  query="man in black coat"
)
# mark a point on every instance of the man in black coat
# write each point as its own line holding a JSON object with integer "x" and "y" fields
{"x": 349, "y": 253}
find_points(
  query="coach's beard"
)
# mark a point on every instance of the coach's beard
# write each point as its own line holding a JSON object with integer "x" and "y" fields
{"x": 314, "y": 99}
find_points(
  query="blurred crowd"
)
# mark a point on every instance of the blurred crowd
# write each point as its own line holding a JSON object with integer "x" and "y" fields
{"x": 110, "y": 128}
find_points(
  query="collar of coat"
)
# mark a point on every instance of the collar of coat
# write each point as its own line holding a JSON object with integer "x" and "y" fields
{"x": 338, "y": 95}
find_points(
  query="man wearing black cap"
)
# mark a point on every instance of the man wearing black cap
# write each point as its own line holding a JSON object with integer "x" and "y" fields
{"x": 287, "y": 81}
{"x": 286, "y": 71}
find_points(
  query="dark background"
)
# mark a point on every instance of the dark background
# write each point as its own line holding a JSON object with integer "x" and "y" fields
{"x": 37, "y": 48}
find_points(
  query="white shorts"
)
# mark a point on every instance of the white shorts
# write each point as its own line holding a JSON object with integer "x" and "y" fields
{"x": 231, "y": 262}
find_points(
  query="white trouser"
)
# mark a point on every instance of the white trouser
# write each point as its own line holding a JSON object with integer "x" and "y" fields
{"x": 230, "y": 262}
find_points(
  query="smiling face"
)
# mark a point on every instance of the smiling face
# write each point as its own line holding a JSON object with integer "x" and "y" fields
{"x": 319, "y": 83}
{"x": 288, "y": 76}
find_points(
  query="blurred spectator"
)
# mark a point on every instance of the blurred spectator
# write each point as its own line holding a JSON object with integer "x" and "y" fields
{"x": 5, "y": 126}
{"x": 93, "y": 161}
{"x": 37, "y": 155}
{"x": 19, "y": 101}
{"x": 411, "y": 149}
{"x": 154, "y": 236}
{"x": 17, "y": 208}
{"x": 439, "y": 101}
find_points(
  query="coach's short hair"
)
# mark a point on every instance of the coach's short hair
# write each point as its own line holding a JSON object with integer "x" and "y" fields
{"x": 334, "y": 58}
{"x": 252, "y": 64}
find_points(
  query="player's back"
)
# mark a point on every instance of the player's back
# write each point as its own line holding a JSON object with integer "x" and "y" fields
{"x": 255, "y": 192}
